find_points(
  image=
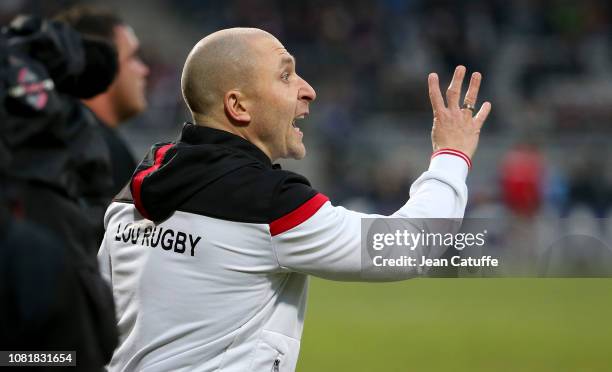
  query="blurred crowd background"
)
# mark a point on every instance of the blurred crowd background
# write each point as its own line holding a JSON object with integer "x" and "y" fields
{"x": 547, "y": 67}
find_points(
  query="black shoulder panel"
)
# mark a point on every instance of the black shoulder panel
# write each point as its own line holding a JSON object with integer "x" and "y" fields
{"x": 251, "y": 194}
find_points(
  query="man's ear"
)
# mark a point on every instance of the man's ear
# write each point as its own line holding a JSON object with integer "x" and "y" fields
{"x": 235, "y": 109}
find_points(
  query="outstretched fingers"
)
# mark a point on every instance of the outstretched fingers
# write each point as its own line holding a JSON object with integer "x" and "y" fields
{"x": 454, "y": 89}
{"x": 435, "y": 96}
{"x": 482, "y": 114}
{"x": 471, "y": 95}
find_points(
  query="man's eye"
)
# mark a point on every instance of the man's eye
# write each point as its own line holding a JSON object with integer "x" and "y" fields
{"x": 285, "y": 76}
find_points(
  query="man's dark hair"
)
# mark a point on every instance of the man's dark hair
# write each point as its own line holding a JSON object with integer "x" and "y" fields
{"x": 92, "y": 21}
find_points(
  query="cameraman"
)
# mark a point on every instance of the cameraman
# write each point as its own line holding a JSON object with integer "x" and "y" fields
{"x": 125, "y": 97}
{"x": 50, "y": 155}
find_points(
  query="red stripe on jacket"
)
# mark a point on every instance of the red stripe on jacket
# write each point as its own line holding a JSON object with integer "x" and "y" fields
{"x": 297, "y": 216}
{"x": 458, "y": 153}
{"x": 138, "y": 178}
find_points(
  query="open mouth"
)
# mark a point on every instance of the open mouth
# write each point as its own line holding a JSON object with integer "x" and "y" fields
{"x": 293, "y": 123}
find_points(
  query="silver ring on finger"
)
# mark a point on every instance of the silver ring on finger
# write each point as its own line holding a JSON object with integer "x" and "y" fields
{"x": 469, "y": 106}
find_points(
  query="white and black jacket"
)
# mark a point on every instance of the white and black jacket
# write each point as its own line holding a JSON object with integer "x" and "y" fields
{"x": 218, "y": 281}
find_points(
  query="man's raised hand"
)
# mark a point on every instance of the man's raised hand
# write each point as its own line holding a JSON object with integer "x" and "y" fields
{"x": 454, "y": 125}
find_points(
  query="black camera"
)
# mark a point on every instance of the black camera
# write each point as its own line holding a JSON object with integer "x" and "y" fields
{"x": 46, "y": 67}
{"x": 81, "y": 66}
{"x": 41, "y": 60}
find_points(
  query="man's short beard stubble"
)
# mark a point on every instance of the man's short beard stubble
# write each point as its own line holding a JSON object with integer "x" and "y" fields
{"x": 126, "y": 109}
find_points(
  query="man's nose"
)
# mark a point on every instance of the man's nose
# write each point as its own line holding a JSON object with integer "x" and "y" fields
{"x": 307, "y": 92}
{"x": 144, "y": 68}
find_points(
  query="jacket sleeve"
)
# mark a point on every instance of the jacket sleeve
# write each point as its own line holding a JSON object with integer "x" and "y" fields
{"x": 323, "y": 240}
{"x": 104, "y": 260}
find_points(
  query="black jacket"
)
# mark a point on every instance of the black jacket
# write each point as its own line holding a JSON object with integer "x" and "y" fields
{"x": 57, "y": 162}
{"x": 121, "y": 159}
{"x": 203, "y": 164}
{"x": 119, "y": 163}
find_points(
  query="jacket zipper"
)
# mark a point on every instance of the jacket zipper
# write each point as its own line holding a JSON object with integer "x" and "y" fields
{"x": 276, "y": 365}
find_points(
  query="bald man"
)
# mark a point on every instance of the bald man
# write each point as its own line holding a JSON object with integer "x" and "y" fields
{"x": 210, "y": 248}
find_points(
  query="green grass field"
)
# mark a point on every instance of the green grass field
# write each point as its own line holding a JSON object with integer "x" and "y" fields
{"x": 459, "y": 325}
